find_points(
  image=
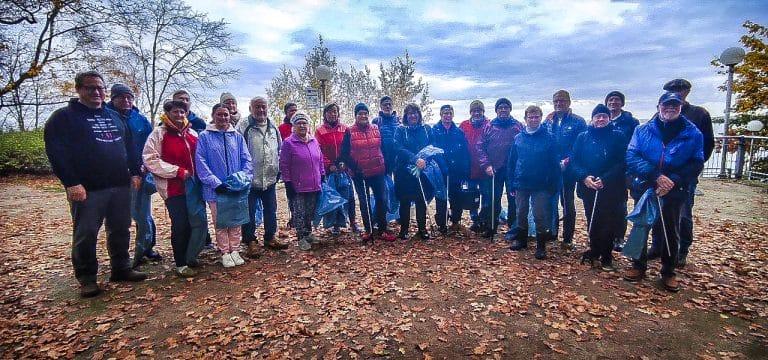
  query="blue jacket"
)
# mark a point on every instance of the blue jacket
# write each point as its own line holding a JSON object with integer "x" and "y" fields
{"x": 565, "y": 130}
{"x": 409, "y": 140}
{"x": 387, "y": 127}
{"x": 456, "y": 150}
{"x": 218, "y": 155}
{"x": 533, "y": 162}
{"x": 197, "y": 123}
{"x": 626, "y": 123}
{"x": 600, "y": 153}
{"x": 139, "y": 127}
{"x": 682, "y": 159}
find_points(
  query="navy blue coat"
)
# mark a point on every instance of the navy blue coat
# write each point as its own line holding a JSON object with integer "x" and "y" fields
{"x": 681, "y": 159}
{"x": 456, "y": 148}
{"x": 139, "y": 127}
{"x": 409, "y": 140}
{"x": 533, "y": 162}
{"x": 600, "y": 153}
{"x": 626, "y": 123}
{"x": 565, "y": 131}
{"x": 387, "y": 127}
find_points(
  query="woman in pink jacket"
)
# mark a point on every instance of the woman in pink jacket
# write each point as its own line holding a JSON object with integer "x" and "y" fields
{"x": 301, "y": 166}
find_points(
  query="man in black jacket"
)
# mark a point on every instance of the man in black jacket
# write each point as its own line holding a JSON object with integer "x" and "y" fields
{"x": 89, "y": 149}
{"x": 699, "y": 117}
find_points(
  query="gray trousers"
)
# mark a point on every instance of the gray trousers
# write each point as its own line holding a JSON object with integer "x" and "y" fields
{"x": 541, "y": 202}
{"x": 112, "y": 207}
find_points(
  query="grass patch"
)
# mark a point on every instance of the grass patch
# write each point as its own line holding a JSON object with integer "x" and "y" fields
{"x": 23, "y": 152}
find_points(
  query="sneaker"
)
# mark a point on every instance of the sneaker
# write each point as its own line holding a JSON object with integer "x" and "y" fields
{"x": 227, "y": 261}
{"x": 366, "y": 238}
{"x": 128, "y": 275}
{"x": 618, "y": 245}
{"x": 566, "y": 245}
{"x": 518, "y": 245}
{"x": 275, "y": 245}
{"x": 253, "y": 250}
{"x": 153, "y": 255}
{"x": 608, "y": 267}
{"x": 670, "y": 283}
{"x": 237, "y": 258}
{"x": 403, "y": 234}
{"x": 356, "y": 230}
{"x": 89, "y": 289}
{"x": 304, "y": 245}
{"x": 423, "y": 235}
{"x": 313, "y": 239}
{"x": 388, "y": 236}
{"x": 634, "y": 275}
{"x": 185, "y": 271}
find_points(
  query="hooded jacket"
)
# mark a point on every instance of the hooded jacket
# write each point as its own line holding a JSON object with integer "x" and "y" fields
{"x": 473, "y": 131}
{"x": 496, "y": 140}
{"x": 220, "y": 153}
{"x": 89, "y": 147}
{"x": 264, "y": 147}
{"x": 533, "y": 162}
{"x": 600, "y": 152}
{"x": 387, "y": 126}
{"x": 681, "y": 159}
{"x": 196, "y": 123}
{"x": 169, "y": 152}
{"x": 626, "y": 123}
{"x": 139, "y": 128}
{"x": 454, "y": 144}
{"x": 301, "y": 164}
{"x": 330, "y": 139}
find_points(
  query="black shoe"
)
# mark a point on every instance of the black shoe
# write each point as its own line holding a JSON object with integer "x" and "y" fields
{"x": 194, "y": 263}
{"x": 489, "y": 233}
{"x": 682, "y": 261}
{"x": 423, "y": 234}
{"x": 475, "y": 228}
{"x": 138, "y": 262}
{"x": 403, "y": 234}
{"x": 89, "y": 290}
{"x": 618, "y": 245}
{"x": 443, "y": 230}
{"x": 153, "y": 255}
{"x": 518, "y": 244}
{"x": 128, "y": 275}
{"x": 541, "y": 246}
{"x": 653, "y": 253}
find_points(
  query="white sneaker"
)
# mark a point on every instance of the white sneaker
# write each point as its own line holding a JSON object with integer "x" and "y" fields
{"x": 236, "y": 258}
{"x": 227, "y": 261}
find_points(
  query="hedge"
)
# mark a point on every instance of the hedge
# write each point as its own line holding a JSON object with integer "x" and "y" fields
{"x": 23, "y": 152}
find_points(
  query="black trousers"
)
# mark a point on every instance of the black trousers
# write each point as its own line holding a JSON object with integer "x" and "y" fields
{"x": 567, "y": 200}
{"x": 454, "y": 189}
{"x": 671, "y": 209}
{"x": 379, "y": 214}
{"x": 181, "y": 229}
{"x": 269, "y": 201}
{"x": 602, "y": 225}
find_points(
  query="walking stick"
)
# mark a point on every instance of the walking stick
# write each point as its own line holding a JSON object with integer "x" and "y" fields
{"x": 592, "y": 217}
{"x": 426, "y": 208}
{"x": 493, "y": 206}
{"x": 663, "y": 225}
{"x": 368, "y": 205}
{"x": 447, "y": 196}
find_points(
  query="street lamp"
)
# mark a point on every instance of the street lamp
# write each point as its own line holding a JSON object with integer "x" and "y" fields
{"x": 323, "y": 74}
{"x": 730, "y": 57}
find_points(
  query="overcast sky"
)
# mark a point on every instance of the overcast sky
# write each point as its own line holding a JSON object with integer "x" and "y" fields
{"x": 522, "y": 50}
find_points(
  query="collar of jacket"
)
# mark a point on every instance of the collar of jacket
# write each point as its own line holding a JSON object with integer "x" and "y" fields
{"x": 504, "y": 123}
{"x": 685, "y": 133}
{"x": 439, "y": 127}
{"x": 252, "y": 121}
{"x": 212, "y": 127}
{"x": 392, "y": 118}
{"x": 479, "y": 123}
{"x": 551, "y": 116}
{"x": 296, "y": 138}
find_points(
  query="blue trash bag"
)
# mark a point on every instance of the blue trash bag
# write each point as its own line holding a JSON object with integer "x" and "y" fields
{"x": 198, "y": 219}
{"x": 149, "y": 184}
{"x": 328, "y": 201}
{"x": 643, "y": 216}
{"x": 393, "y": 204}
{"x": 342, "y": 183}
{"x": 232, "y": 207}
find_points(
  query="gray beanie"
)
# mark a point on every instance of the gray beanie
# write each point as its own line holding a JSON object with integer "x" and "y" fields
{"x": 120, "y": 89}
{"x": 226, "y": 96}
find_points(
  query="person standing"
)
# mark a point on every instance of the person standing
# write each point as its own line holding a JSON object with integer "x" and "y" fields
{"x": 451, "y": 139}
{"x": 533, "y": 175}
{"x": 701, "y": 119}
{"x": 473, "y": 129}
{"x": 169, "y": 154}
{"x": 222, "y": 153}
{"x": 330, "y": 136}
{"x": 598, "y": 167}
{"x": 493, "y": 149}
{"x": 90, "y": 151}
{"x": 361, "y": 153}
{"x": 197, "y": 123}
{"x": 301, "y": 164}
{"x": 666, "y": 154}
{"x": 387, "y": 122}
{"x": 565, "y": 126}
{"x": 286, "y": 129}
{"x": 263, "y": 141}
{"x": 121, "y": 101}
{"x": 229, "y": 101}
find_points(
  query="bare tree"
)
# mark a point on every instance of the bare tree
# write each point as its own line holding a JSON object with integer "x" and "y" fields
{"x": 164, "y": 45}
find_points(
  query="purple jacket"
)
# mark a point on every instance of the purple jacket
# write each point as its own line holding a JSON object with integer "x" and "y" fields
{"x": 495, "y": 141}
{"x": 302, "y": 164}
{"x": 218, "y": 155}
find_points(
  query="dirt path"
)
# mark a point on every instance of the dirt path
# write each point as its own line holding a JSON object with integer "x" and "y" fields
{"x": 449, "y": 298}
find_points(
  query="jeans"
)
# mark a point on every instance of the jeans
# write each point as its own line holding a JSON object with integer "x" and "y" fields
{"x": 541, "y": 202}
{"x": 304, "y": 205}
{"x": 569, "y": 209}
{"x": 141, "y": 212}
{"x": 671, "y": 209}
{"x": 269, "y": 200}
{"x": 498, "y": 183}
{"x": 112, "y": 207}
{"x": 379, "y": 215}
{"x": 442, "y": 205}
{"x": 181, "y": 229}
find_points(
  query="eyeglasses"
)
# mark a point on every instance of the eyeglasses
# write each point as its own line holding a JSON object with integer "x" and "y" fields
{"x": 95, "y": 88}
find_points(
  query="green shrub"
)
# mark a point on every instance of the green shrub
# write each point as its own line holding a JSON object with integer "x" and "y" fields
{"x": 23, "y": 152}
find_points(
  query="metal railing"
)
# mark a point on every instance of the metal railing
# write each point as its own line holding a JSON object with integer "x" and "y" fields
{"x": 746, "y": 157}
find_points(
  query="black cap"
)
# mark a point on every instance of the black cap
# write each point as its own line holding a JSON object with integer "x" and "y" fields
{"x": 677, "y": 85}
{"x": 670, "y": 96}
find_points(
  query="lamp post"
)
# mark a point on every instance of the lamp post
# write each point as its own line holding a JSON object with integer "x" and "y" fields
{"x": 323, "y": 74}
{"x": 730, "y": 57}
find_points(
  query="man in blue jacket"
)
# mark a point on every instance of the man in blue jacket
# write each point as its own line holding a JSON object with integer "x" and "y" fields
{"x": 565, "y": 126}
{"x": 121, "y": 102}
{"x": 451, "y": 139}
{"x": 667, "y": 154}
{"x": 89, "y": 151}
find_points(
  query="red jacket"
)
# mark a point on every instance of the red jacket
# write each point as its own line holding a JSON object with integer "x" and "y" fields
{"x": 167, "y": 154}
{"x": 330, "y": 139}
{"x": 473, "y": 133}
{"x": 285, "y": 129}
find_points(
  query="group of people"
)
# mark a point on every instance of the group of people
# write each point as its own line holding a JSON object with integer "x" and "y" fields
{"x": 111, "y": 160}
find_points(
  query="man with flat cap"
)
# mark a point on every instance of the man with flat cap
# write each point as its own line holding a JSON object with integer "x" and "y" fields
{"x": 701, "y": 119}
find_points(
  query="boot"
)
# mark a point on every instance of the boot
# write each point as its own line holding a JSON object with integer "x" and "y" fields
{"x": 253, "y": 251}
{"x": 541, "y": 246}
{"x": 519, "y": 242}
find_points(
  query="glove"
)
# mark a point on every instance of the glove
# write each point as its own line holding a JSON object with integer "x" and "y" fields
{"x": 222, "y": 189}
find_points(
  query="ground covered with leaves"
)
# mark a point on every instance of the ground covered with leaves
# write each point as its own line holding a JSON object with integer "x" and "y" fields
{"x": 447, "y": 298}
